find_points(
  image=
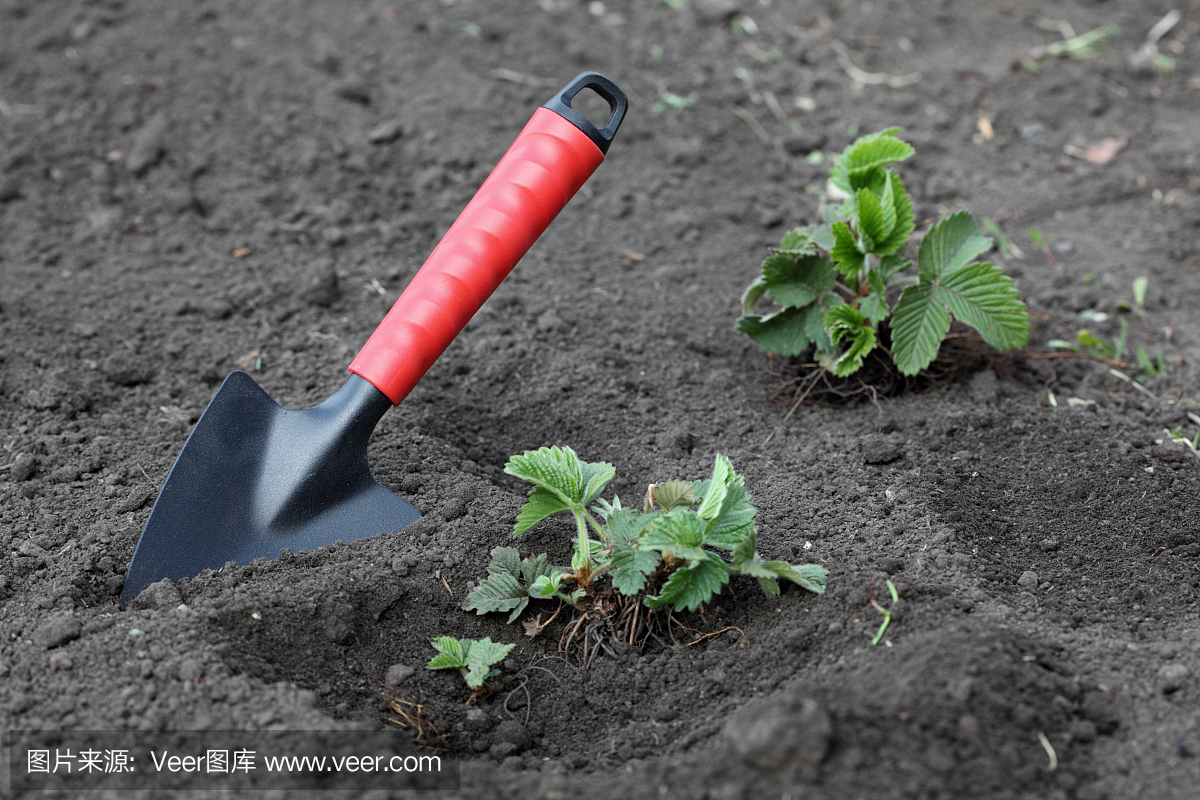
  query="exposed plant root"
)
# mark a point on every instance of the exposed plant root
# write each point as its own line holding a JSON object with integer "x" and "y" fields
{"x": 522, "y": 678}
{"x": 420, "y": 719}
{"x": 963, "y": 351}
{"x": 702, "y": 636}
{"x": 617, "y": 619}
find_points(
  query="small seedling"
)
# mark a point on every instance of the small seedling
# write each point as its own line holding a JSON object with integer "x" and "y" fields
{"x": 1005, "y": 247}
{"x": 1156, "y": 367}
{"x": 1139, "y": 296}
{"x": 1036, "y": 237}
{"x": 672, "y": 101}
{"x": 474, "y": 658}
{"x": 1085, "y": 45}
{"x": 1113, "y": 352}
{"x": 667, "y": 553}
{"x": 1177, "y": 436}
{"x": 838, "y": 283}
{"x": 886, "y": 612}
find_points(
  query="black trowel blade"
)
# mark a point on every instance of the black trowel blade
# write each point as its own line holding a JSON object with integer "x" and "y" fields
{"x": 255, "y": 478}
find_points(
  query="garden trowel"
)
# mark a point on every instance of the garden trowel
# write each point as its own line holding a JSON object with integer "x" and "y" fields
{"x": 255, "y": 478}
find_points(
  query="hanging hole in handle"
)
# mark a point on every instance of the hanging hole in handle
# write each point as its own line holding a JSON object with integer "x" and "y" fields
{"x": 564, "y": 102}
{"x": 596, "y": 108}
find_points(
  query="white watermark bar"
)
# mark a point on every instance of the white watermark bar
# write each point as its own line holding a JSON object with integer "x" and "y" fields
{"x": 80, "y": 761}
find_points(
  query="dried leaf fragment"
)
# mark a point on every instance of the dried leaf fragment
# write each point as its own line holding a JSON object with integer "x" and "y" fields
{"x": 1101, "y": 152}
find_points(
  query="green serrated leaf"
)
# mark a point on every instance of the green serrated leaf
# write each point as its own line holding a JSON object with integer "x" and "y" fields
{"x": 502, "y": 589}
{"x": 950, "y": 245}
{"x": 919, "y": 322}
{"x": 874, "y": 308}
{"x": 812, "y": 577}
{"x": 887, "y": 207}
{"x": 690, "y": 587}
{"x": 561, "y": 482}
{"x": 604, "y": 509}
{"x": 735, "y": 520}
{"x": 555, "y": 469}
{"x": 870, "y": 217}
{"x": 557, "y": 478}
{"x": 845, "y": 253}
{"x": 673, "y": 493}
{"x": 823, "y": 237}
{"x": 450, "y": 653}
{"x": 848, "y": 323}
{"x": 595, "y": 478}
{"x": 718, "y": 485}
{"x": 630, "y": 567}
{"x": 784, "y": 332}
{"x": 798, "y": 281}
{"x": 480, "y": 656}
{"x": 798, "y": 242}
{"x": 630, "y": 562}
{"x": 538, "y": 567}
{"x": 902, "y": 208}
{"x": 545, "y": 587}
{"x": 541, "y": 504}
{"x": 746, "y": 559}
{"x": 625, "y": 525}
{"x": 864, "y": 242}
{"x": 874, "y": 305}
{"x": 866, "y": 153}
{"x": 754, "y": 292}
{"x": 890, "y": 265}
{"x": 982, "y": 296}
{"x": 679, "y": 533}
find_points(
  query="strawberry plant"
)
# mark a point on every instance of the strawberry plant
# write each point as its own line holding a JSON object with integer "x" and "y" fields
{"x": 474, "y": 658}
{"x": 838, "y": 284}
{"x": 679, "y": 549}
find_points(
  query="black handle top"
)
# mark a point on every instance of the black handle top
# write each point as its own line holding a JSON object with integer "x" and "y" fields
{"x": 618, "y": 104}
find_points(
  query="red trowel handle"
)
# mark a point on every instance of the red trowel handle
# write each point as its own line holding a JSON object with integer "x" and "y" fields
{"x": 557, "y": 151}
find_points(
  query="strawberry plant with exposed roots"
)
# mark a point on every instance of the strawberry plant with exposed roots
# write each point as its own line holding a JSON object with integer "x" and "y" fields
{"x": 845, "y": 291}
{"x": 675, "y": 552}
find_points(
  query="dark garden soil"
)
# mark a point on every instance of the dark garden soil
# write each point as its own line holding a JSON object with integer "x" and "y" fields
{"x": 189, "y": 188}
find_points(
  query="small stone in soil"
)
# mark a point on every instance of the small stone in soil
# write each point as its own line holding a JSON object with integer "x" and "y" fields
{"x": 149, "y": 144}
{"x": 56, "y": 631}
{"x": 477, "y": 720}
{"x": 1028, "y": 580}
{"x": 877, "y": 450}
{"x": 320, "y": 285}
{"x": 513, "y": 734}
{"x": 397, "y": 674}
{"x": 387, "y": 131}
{"x": 31, "y": 549}
{"x": 791, "y": 736}
{"x": 162, "y": 594}
{"x": 123, "y": 370}
{"x": 1172, "y": 677}
{"x": 24, "y": 467}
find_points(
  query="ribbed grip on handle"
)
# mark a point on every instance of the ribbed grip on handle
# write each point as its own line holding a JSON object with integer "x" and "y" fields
{"x": 542, "y": 170}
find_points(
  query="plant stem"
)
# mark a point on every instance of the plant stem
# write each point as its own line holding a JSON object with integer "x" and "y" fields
{"x": 584, "y": 544}
{"x": 596, "y": 525}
